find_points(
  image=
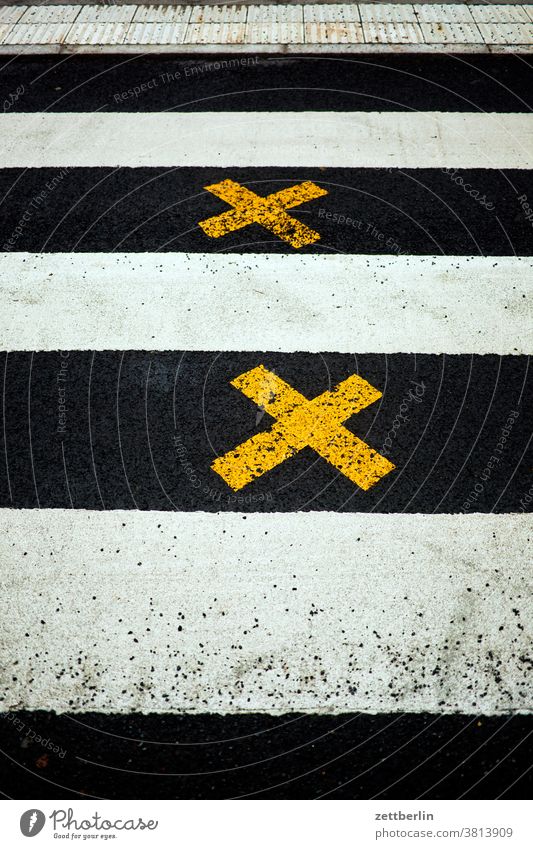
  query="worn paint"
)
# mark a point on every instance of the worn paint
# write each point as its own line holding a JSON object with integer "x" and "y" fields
{"x": 261, "y": 139}
{"x": 197, "y": 302}
{"x": 301, "y": 423}
{"x": 250, "y": 208}
{"x": 124, "y": 611}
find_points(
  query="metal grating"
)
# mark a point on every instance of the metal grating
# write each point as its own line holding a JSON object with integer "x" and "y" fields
{"x": 97, "y": 33}
{"x": 233, "y": 24}
{"x": 392, "y": 33}
{"x": 275, "y": 33}
{"x": 162, "y": 14}
{"x": 336, "y": 33}
{"x": 11, "y": 14}
{"x": 499, "y": 14}
{"x": 444, "y": 33}
{"x": 215, "y": 34}
{"x": 50, "y": 15}
{"x": 387, "y": 13}
{"x": 331, "y": 13}
{"x": 447, "y": 14}
{"x": 156, "y": 33}
{"x": 218, "y": 14}
{"x": 507, "y": 33}
{"x": 37, "y": 34}
{"x": 274, "y": 14}
{"x": 107, "y": 14}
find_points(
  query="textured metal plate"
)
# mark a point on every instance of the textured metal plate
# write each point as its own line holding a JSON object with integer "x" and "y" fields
{"x": 499, "y": 14}
{"x": 448, "y": 14}
{"x": 50, "y": 14}
{"x": 507, "y": 33}
{"x": 107, "y": 14}
{"x": 392, "y": 33}
{"x": 215, "y": 34}
{"x": 445, "y": 33}
{"x": 37, "y": 34}
{"x": 97, "y": 33}
{"x": 11, "y": 14}
{"x": 162, "y": 14}
{"x": 335, "y": 33}
{"x": 218, "y": 14}
{"x": 331, "y": 13}
{"x": 275, "y": 14}
{"x": 275, "y": 33}
{"x": 227, "y": 24}
{"x": 387, "y": 13}
{"x": 156, "y": 33}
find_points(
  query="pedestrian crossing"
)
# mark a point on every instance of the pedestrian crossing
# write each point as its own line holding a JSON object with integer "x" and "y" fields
{"x": 141, "y": 349}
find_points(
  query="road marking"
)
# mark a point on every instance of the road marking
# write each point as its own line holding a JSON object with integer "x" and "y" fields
{"x": 281, "y": 612}
{"x": 302, "y": 423}
{"x": 250, "y": 208}
{"x": 453, "y": 425}
{"x": 196, "y": 302}
{"x": 262, "y": 139}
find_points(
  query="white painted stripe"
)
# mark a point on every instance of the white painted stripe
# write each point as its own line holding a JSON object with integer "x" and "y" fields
{"x": 314, "y": 139}
{"x": 381, "y": 304}
{"x": 128, "y": 611}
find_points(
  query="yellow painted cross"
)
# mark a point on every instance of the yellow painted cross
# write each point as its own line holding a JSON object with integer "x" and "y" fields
{"x": 300, "y": 423}
{"x": 249, "y": 208}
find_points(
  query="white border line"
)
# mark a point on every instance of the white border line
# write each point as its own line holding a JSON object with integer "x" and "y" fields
{"x": 321, "y": 613}
{"x": 263, "y": 139}
{"x": 351, "y": 303}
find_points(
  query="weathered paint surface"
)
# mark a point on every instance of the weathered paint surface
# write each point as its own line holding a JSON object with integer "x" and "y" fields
{"x": 124, "y": 611}
{"x": 201, "y": 302}
{"x": 301, "y": 423}
{"x": 242, "y": 139}
{"x": 250, "y": 208}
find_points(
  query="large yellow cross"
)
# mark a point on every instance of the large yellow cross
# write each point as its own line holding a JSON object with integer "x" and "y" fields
{"x": 300, "y": 423}
{"x": 269, "y": 211}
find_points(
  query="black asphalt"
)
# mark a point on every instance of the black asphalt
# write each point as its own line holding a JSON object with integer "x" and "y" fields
{"x": 352, "y": 756}
{"x": 366, "y": 210}
{"x": 459, "y": 83}
{"x": 139, "y": 430}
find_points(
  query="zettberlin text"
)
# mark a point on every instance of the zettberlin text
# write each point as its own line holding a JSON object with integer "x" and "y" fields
{"x": 400, "y": 815}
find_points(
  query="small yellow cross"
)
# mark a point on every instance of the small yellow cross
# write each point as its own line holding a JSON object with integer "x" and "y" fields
{"x": 269, "y": 211}
{"x": 300, "y": 423}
